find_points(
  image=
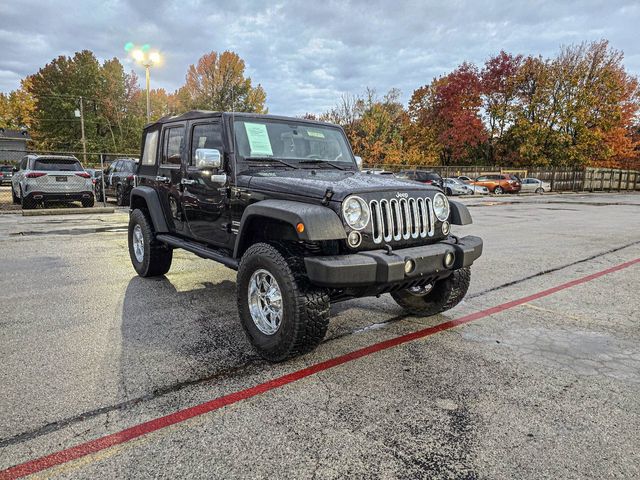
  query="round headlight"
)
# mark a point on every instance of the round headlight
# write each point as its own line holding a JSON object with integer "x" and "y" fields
{"x": 441, "y": 207}
{"x": 355, "y": 212}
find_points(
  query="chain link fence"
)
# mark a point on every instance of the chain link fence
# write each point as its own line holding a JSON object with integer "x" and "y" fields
{"x": 54, "y": 179}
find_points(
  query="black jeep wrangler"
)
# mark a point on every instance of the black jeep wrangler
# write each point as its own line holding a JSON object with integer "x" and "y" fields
{"x": 283, "y": 202}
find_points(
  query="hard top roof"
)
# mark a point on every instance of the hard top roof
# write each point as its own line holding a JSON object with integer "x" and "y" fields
{"x": 201, "y": 114}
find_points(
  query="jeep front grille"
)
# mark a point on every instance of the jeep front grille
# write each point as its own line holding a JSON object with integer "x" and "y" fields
{"x": 401, "y": 219}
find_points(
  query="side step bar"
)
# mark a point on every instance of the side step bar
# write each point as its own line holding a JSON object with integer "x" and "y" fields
{"x": 199, "y": 249}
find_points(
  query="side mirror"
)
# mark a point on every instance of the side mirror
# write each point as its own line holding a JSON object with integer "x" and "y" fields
{"x": 359, "y": 162}
{"x": 14, "y": 169}
{"x": 208, "y": 158}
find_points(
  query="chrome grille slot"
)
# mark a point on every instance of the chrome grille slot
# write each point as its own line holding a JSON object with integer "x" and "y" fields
{"x": 401, "y": 219}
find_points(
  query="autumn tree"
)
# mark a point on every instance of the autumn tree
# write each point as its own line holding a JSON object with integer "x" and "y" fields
{"x": 576, "y": 109}
{"x": 17, "y": 108}
{"x": 448, "y": 112}
{"x": 499, "y": 85}
{"x": 218, "y": 82}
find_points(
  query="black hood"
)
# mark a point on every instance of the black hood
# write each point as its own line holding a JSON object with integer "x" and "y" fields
{"x": 314, "y": 183}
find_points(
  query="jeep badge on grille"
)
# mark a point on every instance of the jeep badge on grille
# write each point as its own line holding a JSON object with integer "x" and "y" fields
{"x": 402, "y": 195}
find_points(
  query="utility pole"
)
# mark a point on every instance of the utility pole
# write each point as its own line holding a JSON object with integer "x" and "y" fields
{"x": 84, "y": 140}
{"x": 147, "y": 67}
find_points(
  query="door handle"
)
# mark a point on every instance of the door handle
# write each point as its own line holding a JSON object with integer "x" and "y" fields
{"x": 187, "y": 181}
{"x": 162, "y": 179}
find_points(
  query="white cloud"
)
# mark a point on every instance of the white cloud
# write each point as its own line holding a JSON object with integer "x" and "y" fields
{"x": 305, "y": 54}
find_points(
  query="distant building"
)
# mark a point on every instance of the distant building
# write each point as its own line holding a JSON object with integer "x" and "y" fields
{"x": 13, "y": 144}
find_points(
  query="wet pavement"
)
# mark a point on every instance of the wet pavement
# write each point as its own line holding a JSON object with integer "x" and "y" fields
{"x": 546, "y": 389}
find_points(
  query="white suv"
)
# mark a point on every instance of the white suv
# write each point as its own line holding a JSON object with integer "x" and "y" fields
{"x": 41, "y": 178}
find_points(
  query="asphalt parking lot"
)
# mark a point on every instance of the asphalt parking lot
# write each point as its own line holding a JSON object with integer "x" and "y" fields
{"x": 532, "y": 382}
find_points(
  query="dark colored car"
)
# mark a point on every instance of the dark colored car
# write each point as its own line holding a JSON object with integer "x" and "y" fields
{"x": 119, "y": 179}
{"x": 422, "y": 176}
{"x": 6, "y": 174}
{"x": 96, "y": 173}
{"x": 282, "y": 201}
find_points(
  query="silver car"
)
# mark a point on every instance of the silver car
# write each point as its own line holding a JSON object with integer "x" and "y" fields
{"x": 42, "y": 178}
{"x": 453, "y": 186}
{"x": 475, "y": 189}
{"x": 534, "y": 185}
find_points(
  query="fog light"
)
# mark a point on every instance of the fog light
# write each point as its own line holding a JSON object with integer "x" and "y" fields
{"x": 448, "y": 259}
{"x": 445, "y": 228}
{"x": 354, "y": 239}
{"x": 409, "y": 266}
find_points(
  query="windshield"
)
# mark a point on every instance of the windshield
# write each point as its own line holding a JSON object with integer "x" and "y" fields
{"x": 296, "y": 143}
{"x": 57, "y": 164}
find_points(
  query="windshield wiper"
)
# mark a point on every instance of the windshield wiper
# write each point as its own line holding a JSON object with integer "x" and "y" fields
{"x": 317, "y": 161}
{"x": 269, "y": 159}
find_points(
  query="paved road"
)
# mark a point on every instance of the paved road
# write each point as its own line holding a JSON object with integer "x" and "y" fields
{"x": 546, "y": 389}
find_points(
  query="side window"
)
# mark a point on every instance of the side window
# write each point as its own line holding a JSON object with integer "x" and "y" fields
{"x": 23, "y": 164}
{"x": 150, "y": 148}
{"x": 172, "y": 145}
{"x": 482, "y": 179}
{"x": 208, "y": 135}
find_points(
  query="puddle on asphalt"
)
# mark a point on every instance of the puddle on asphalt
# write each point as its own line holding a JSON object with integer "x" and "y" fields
{"x": 581, "y": 352}
{"x": 71, "y": 231}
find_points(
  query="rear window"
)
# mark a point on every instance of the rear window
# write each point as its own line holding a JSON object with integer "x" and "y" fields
{"x": 6, "y": 169}
{"x": 432, "y": 176}
{"x": 57, "y": 164}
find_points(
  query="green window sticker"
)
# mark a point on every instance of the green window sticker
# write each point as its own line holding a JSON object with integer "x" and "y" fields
{"x": 315, "y": 133}
{"x": 258, "y": 139}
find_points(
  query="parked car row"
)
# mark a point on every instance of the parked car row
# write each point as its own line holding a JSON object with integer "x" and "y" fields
{"x": 38, "y": 179}
{"x": 492, "y": 183}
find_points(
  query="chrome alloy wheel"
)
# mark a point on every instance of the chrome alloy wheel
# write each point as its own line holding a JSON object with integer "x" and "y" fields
{"x": 265, "y": 302}
{"x": 138, "y": 243}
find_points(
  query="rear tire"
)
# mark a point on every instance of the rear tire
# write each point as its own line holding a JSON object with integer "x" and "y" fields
{"x": 155, "y": 258}
{"x": 444, "y": 295}
{"x": 121, "y": 201}
{"x": 26, "y": 203}
{"x": 89, "y": 202}
{"x": 303, "y": 309}
{"x": 14, "y": 197}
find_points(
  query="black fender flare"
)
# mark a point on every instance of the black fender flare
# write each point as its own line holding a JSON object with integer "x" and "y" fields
{"x": 459, "y": 214}
{"x": 320, "y": 223}
{"x": 151, "y": 199}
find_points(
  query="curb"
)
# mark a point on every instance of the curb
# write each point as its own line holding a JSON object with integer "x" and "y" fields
{"x": 67, "y": 211}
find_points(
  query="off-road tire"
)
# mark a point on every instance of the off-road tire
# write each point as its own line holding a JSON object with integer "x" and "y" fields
{"x": 157, "y": 255}
{"x": 121, "y": 197}
{"x": 26, "y": 203}
{"x": 498, "y": 190}
{"x": 306, "y": 308}
{"x": 444, "y": 295}
{"x": 89, "y": 202}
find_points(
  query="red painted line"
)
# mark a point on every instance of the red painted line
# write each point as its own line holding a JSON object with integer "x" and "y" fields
{"x": 102, "y": 443}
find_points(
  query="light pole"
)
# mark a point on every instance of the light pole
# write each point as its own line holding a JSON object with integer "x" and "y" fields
{"x": 147, "y": 60}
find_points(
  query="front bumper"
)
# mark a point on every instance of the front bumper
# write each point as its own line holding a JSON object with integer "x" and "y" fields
{"x": 377, "y": 267}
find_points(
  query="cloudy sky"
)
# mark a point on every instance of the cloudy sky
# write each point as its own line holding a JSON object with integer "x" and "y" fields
{"x": 307, "y": 53}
